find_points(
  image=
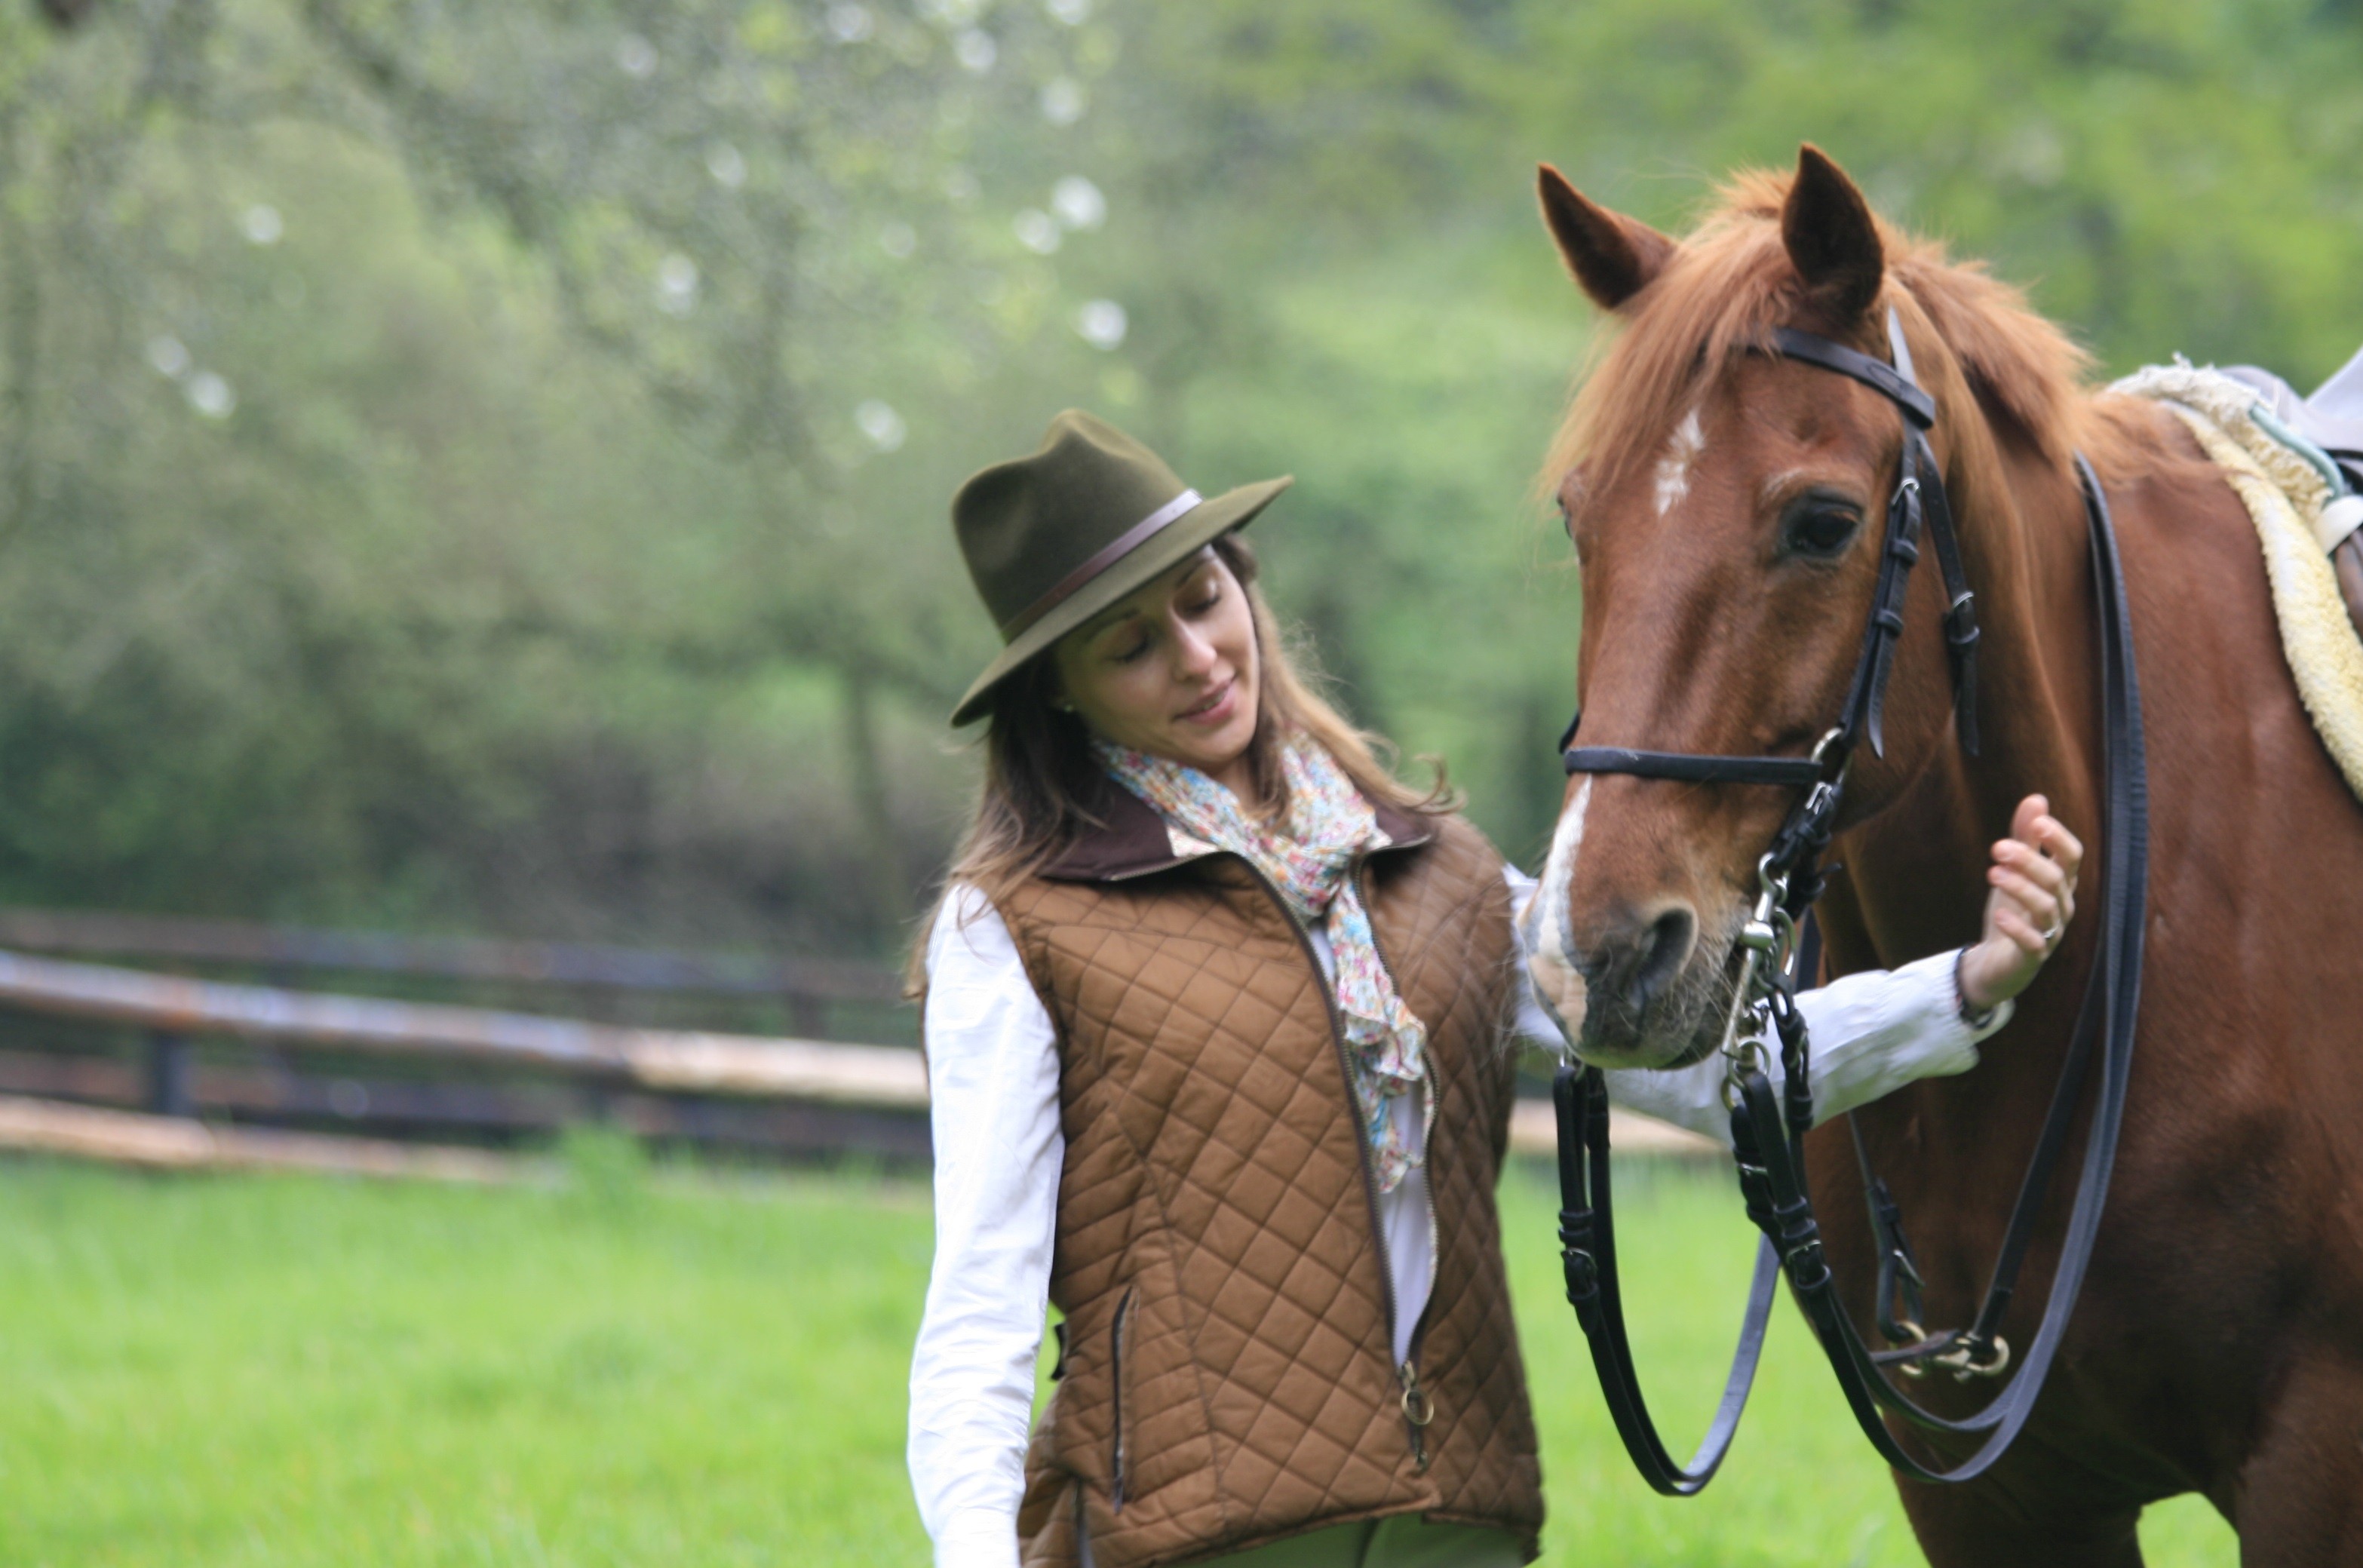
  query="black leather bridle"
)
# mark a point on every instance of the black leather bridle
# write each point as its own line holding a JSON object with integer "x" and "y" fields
{"x": 1769, "y": 1125}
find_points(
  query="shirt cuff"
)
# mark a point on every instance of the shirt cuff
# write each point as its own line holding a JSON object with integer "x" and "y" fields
{"x": 978, "y": 1538}
{"x": 1875, "y": 1032}
{"x": 1995, "y": 1015}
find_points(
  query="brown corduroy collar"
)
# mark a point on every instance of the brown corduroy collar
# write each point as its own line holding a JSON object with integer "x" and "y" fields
{"x": 1130, "y": 839}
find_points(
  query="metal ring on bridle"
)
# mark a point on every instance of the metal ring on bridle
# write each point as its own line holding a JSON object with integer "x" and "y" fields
{"x": 1913, "y": 1334}
{"x": 1963, "y": 1362}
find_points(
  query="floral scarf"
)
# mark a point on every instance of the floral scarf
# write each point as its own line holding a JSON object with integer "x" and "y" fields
{"x": 1308, "y": 855}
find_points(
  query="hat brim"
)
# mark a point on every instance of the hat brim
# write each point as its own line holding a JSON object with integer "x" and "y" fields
{"x": 1168, "y": 548}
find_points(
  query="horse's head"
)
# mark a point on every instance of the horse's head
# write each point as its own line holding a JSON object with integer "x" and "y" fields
{"x": 1726, "y": 505}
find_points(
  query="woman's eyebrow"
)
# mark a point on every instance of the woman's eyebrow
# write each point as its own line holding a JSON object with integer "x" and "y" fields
{"x": 1106, "y": 620}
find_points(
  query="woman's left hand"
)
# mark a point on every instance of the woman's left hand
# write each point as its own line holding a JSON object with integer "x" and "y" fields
{"x": 2033, "y": 897}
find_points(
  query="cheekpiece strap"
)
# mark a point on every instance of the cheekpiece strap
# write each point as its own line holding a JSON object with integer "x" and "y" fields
{"x": 1921, "y": 491}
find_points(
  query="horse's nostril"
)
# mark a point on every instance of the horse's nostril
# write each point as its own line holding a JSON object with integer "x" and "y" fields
{"x": 1664, "y": 947}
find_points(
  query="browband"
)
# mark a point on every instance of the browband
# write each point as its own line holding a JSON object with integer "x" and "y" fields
{"x": 1692, "y": 767}
{"x": 1892, "y": 382}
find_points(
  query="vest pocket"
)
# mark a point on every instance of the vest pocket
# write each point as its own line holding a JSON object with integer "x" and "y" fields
{"x": 1116, "y": 1331}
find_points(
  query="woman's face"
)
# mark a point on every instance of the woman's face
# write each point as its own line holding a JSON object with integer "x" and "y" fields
{"x": 1172, "y": 670}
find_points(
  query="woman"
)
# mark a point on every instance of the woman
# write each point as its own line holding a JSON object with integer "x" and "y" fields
{"x": 1216, "y": 1012}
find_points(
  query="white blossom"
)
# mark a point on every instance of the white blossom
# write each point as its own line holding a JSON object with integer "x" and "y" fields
{"x": 1063, "y": 100}
{"x": 169, "y": 355}
{"x": 636, "y": 57}
{"x": 976, "y": 51}
{"x": 1037, "y": 230}
{"x": 1077, "y": 204}
{"x": 676, "y": 284}
{"x": 1103, "y": 323}
{"x": 210, "y": 395}
{"x": 881, "y": 425}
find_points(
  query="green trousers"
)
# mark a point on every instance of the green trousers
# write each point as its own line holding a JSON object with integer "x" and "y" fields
{"x": 1405, "y": 1541}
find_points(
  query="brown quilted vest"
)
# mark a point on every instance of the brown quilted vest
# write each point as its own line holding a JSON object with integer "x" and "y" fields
{"x": 1227, "y": 1376}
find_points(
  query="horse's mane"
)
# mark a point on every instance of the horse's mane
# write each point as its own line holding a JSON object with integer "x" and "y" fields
{"x": 1730, "y": 283}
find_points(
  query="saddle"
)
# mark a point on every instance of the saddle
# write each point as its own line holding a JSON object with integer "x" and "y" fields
{"x": 2331, "y": 421}
{"x": 2297, "y": 466}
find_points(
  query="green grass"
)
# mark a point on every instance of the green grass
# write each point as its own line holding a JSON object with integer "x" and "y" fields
{"x": 251, "y": 1371}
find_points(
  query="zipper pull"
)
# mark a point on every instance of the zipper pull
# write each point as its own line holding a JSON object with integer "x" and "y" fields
{"x": 1418, "y": 1410}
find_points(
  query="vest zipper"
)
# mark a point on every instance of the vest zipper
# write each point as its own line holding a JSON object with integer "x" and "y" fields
{"x": 1417, "y": 1410}
{"x": 1116, "y": 1376}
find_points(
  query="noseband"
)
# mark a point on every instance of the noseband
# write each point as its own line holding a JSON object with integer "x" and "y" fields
{"x": 1768, "y": 1126}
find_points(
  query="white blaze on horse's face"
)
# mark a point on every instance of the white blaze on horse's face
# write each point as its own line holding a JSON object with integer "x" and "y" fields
{"x": 1674, "y": 469}
{"x": 1550, "y": 950}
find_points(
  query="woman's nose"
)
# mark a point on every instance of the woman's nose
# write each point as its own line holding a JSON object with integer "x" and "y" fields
{"x": 1193, "y": 653}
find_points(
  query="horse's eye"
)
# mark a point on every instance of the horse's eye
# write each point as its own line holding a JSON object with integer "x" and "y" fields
{"x": 1819, "y": 528}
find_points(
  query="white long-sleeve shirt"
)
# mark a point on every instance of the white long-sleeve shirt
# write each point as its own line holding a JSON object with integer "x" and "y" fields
{"x": 992, "y": 1068}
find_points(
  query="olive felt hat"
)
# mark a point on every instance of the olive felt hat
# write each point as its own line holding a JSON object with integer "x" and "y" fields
{"x": 1054, "y": 538}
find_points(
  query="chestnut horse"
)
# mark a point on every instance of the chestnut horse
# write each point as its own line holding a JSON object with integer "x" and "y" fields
{"x": 1723, "y": 503}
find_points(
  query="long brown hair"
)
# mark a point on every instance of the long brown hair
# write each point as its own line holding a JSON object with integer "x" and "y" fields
{"x": 1040, "y": 771}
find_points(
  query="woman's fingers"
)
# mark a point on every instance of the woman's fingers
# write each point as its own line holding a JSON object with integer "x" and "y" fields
{"x": 2064, "y": 850}
{"x": 2014, "y": 925}
{"x": 2040, "y": 886}
{"x": 2042, "y": 848}
{"x": 2036, "y": 903}
{"x": 2053, "y": 839}
{"x": 2033, "y": 879}
{"x": 2031, "y": 863}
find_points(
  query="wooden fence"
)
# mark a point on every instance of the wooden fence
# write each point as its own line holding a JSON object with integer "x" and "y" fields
{"x": 806, "y": 987}
{"x": 214, "y": 1079}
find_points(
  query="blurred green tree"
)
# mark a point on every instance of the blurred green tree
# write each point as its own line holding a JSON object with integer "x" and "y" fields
{"x": 484, "y": 464}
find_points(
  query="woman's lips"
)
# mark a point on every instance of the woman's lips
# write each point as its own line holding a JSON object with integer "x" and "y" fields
{"x": 1216, "y": 710}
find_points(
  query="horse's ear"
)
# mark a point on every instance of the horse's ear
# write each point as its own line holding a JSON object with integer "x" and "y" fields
{"x": 1830, "y": 236}
{"x": 1613, "y": 256}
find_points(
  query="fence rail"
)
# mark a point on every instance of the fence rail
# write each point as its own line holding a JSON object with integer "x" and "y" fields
{"x": 765, "y": 1090}
{"x": 660, "y": 1058}
{"x": 584, "y": 964}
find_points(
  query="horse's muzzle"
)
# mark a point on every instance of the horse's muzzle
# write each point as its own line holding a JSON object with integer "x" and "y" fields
{"x": 1639, "y": 994}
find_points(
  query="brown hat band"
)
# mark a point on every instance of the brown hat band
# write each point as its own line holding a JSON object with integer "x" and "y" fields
{"x": 1107, "y": 555}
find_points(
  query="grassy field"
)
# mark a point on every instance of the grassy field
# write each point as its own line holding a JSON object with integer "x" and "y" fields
{"x": 252, "y": 1371}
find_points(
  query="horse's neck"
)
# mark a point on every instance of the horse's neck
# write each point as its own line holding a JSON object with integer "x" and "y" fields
{"x": 1919, "y": 867}
{"x": 2040, "y": 649}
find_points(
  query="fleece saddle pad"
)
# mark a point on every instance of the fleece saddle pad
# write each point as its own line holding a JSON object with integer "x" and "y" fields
{"x": 2287, "y": 486}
